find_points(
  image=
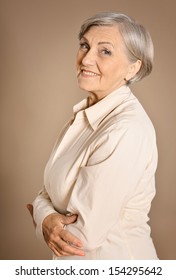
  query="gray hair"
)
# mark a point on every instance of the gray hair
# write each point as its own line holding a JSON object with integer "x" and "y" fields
{"x": 137, "y": 40}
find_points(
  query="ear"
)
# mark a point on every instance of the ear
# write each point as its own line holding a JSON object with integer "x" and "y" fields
{"x": 133, "y": 69}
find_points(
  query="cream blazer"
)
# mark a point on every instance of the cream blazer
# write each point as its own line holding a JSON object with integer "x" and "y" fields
{"x": 103, "y": 169}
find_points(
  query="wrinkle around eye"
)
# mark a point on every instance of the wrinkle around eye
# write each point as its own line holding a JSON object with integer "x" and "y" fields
{"x": 106, "y": 52}
{"x": 83, "y": 46}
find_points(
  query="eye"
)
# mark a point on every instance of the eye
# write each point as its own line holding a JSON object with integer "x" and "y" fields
{"x": 106, "y": 52}
{"x": 84, "y": 46}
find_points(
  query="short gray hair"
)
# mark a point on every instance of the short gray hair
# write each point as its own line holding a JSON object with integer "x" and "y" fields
{"x": 137, "y": 40}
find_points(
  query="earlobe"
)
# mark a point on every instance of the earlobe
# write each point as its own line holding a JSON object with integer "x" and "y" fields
{"x": 133, "y": 69}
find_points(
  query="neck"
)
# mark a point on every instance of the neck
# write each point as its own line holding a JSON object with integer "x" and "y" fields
{"x": 92, "y": 99}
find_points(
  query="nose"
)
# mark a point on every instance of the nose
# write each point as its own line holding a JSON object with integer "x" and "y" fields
{"x": 89, "y": 58}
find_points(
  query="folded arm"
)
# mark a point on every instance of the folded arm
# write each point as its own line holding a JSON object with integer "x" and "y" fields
{"x": 50, "y": 225}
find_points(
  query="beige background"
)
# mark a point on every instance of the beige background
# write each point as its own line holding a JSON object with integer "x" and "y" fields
{"x": 37, "y": 91}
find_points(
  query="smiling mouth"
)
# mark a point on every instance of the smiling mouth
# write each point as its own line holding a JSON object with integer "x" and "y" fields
{"x": 86, "y": 73}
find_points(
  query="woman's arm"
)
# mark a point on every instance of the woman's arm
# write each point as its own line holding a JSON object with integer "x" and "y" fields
{"x": 50, "y": 225}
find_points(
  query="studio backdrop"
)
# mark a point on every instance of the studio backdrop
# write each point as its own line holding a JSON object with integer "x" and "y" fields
{"x": 38, "y": 89}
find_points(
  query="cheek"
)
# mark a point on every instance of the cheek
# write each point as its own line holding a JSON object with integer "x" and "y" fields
{"x": 119, "y": 69}
{"x": 110, "y": 71}
{"x": 79, "y": 58}
{"x": 77, "y": 61}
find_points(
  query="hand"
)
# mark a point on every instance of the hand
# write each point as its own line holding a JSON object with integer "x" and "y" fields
{"x": 59, "y": 240}
{"x": 30, "y": 208}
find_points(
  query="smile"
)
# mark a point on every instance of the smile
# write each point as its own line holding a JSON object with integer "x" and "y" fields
{"x": 87, "y": 73}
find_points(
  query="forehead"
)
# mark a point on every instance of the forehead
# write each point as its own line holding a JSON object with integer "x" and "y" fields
{"x": 104, "y": 33}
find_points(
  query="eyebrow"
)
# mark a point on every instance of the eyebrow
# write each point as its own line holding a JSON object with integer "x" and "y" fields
{"x": 100, "y": 43}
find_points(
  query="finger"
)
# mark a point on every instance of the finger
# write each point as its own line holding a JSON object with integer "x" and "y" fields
{"x": 57, "y": 251}
{"x": 60, "y": 248}
{"x": 64, "y": 247}
{"x": 69, "y": 219}
{"x": 70, "y": 238}
{"x": 30, "y": 208}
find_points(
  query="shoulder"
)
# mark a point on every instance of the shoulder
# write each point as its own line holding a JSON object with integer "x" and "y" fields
{"x": 131, "y": 118}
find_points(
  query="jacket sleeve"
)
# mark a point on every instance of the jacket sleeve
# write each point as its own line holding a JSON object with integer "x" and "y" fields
{"x": 43, "y": 207}
{"x": 106, "y": 183}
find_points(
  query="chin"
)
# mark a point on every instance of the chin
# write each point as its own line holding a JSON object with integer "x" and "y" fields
{"x": 86, "y": 87}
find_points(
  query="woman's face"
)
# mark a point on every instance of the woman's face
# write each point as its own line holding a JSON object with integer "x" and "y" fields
{"x": 102, "y": 64}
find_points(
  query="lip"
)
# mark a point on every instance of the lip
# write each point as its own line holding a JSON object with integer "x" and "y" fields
{"x": 88, "y": 74}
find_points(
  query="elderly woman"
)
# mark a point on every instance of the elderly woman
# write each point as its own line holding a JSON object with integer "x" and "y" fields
{"x": 99, "y": 180}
